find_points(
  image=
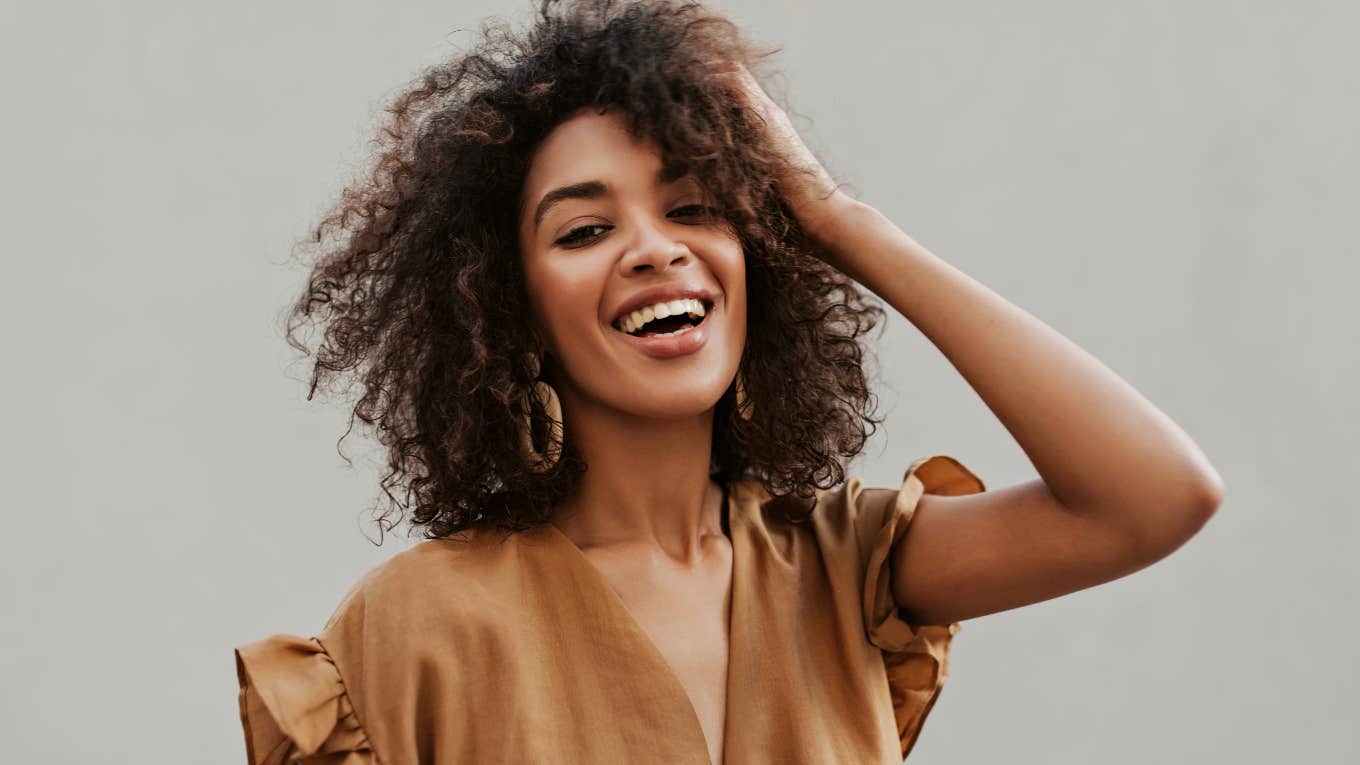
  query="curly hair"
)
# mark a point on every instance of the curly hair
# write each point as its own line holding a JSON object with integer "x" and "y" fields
{"x": 417, "y": 283}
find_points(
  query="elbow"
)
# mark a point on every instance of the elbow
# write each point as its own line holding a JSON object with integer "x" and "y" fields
{"x": 1204, "y": 504}
{"x": 1211, "y": 492}
{"x": 1185, "y": 519}
{"x": 1205, "y": 497}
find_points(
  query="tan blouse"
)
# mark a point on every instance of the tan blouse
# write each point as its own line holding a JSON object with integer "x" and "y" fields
{"x": 483, "y": 651}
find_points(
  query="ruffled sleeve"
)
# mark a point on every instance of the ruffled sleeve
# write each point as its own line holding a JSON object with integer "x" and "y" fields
{"x": 294, "y": 705}
{"x": 916, "y": 655}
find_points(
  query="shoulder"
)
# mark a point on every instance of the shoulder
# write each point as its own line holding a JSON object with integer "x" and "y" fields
{"x": 853, "y": 516}
{"x": 838, "y": 513}
{"x": 438, "y": 562}
{"x": 440, "y": 579}
{"x": 423, "y": 613}
{"x": 406, "y": 628}
{"x": 429, "y": 605}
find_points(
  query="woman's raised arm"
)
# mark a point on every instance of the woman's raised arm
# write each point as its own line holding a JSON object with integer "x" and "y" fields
{"x": 1121, "y": 485}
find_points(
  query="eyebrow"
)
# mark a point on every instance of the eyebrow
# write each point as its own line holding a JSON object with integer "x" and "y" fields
{"x": 595, "y": 189}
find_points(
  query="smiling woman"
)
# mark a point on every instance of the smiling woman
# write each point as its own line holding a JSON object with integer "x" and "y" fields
{"x": 573, "y": 252}
{"x": 678, "y": 275}
{"x": 599, "y": 298}
{"x": 529, "y": 192}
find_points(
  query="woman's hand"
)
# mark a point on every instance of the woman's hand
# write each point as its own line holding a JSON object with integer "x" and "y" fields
{"x": 810, "y": 191}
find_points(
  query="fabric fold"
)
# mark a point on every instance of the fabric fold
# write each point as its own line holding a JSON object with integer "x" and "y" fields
{"x": 294, "y": 705}
{"x": 915, "y": 655}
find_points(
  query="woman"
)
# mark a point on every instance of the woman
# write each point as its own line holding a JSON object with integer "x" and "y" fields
{"x": 602, "y": 296}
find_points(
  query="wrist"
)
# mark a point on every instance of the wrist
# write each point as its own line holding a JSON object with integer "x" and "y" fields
{"x": 834, "y": 221}
{"x": 826, "y": 219}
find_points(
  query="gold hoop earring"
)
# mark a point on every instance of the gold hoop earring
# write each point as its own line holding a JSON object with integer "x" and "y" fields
{"x": 745, "y": 408}
{"x": 547, "y": 397}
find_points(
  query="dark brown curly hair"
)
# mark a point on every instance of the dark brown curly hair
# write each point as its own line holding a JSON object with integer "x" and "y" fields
{"x": 417, "y": 283}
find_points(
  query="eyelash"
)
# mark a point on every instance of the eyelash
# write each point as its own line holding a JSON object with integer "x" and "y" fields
{"x": 572, "y": 239}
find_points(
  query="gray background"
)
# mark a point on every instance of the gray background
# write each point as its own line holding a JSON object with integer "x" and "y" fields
{"x": 1166, "y": 183}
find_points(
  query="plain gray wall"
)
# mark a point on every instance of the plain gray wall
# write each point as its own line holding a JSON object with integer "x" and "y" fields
{"x": 1172, "y": 185}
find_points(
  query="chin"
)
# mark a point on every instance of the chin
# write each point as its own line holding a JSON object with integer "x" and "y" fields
{"x": 672, "y": 405}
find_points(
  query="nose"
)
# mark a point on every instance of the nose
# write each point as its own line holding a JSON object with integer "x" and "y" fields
{"x": 653, "y": 249}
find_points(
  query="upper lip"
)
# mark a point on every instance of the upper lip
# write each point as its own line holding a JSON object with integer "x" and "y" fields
{"x": 663, "y": 293}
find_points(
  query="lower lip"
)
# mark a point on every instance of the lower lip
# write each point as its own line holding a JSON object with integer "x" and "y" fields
{"x": 676, "y": 345}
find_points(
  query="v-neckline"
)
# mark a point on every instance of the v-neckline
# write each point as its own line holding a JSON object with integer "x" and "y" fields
{"x": 729, "y": 519}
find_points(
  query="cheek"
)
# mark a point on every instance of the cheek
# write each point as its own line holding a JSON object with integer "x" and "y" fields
{"x": 565, "y": 301}
{"x": 734, "y": 286}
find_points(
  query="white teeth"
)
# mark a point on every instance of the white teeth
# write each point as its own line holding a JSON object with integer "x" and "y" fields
{"x": 631, "y": 322}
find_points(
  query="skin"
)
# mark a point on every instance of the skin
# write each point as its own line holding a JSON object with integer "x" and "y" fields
{"x": 646, "y": 514}
{"x": 1120, "y": 485}
{"x": 644, "y": 425}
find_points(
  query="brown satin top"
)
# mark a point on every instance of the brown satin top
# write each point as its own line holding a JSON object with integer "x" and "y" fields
{"x": 519, "y": 651}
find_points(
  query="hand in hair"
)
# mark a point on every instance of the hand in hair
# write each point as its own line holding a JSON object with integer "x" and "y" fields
{"x": 810, "y": 192}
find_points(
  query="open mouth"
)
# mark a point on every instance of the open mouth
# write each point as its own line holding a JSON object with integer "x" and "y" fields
{"x": 669, "y": 326}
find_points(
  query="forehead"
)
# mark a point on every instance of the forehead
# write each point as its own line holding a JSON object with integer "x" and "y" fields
{"x": 590, "y": 145}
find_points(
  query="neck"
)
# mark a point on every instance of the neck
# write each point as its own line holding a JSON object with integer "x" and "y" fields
{"x": 648, "y": 482}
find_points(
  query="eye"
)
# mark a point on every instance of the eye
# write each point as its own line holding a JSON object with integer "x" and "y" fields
{"x": 692, "y": 210}
{"x": 575, "y": 236}
{"x": 579, "y": 237}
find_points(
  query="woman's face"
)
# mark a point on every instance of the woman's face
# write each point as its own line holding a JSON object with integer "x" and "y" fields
{"x": 616, "y": 234}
